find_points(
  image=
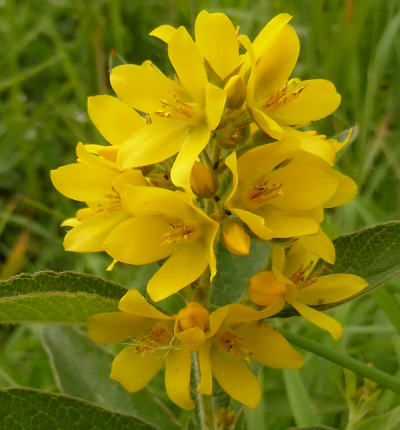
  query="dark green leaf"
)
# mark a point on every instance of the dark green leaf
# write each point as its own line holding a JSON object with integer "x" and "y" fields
{"x": 82, "y": 370}
{"x": 23, "y": 409}
{"x": 56, "y": 297}
{"x": 234, "y": 271}
{"x": 320, "y": 427}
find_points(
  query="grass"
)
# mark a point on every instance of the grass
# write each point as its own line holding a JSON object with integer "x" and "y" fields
{"x": 55, "y": 54}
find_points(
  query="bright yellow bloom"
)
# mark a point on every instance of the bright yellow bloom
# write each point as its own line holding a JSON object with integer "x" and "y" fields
{"x": 292, "y": 281}
{"x": 163, "y": 224}
{"x": 151, "y": 345}
{"x": 237, "y": 335}
{"x": 183, "y": 113}
{"x": 95, "y": 180}
{"x": 280, "y": 191}
{"x": 275, "y": 100}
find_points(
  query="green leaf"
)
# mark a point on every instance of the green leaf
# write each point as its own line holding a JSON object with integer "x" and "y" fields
{"x": 38, "y": 410}
{"x": 372, "y": 253}
{"x": 299, "y": 399}
{"x": 387, "y": 421}
{"x": 319, "y": 427}
{"x": 234, "y": 271}
{"x": 82, "y": 370}
{"x": 56, "y": 297}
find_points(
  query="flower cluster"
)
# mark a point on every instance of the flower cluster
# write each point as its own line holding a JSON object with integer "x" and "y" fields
{"x": 217, "y": 154}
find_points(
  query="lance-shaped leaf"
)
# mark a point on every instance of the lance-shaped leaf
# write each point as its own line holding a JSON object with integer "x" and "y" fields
{"x": 56, "y": 297}
{"x": 38, "y": 410}
{"x": 82, "y": 369}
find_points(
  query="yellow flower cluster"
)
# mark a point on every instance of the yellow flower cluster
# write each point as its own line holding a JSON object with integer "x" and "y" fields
{"x": 215, "y": 154}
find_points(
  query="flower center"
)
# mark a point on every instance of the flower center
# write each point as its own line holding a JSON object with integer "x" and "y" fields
{"x": 286, "y": 94}
{"x": 261, "y": 194}
{"x": 157, "y": 339}
{"x": 181, "y": 111}
{"x": 180, "y": 232}
{"x": 231, "y": 342}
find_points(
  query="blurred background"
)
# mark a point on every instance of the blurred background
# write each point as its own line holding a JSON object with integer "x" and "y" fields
{"x": 56, "y": 53}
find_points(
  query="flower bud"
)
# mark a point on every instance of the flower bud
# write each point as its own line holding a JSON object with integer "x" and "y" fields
{"x": 194, "y": 315}
{"x": 235, "y": 239}
{"x": 202, "y": 180}
{"x": 264, "y": 288}
{"x": 235, "y": 92}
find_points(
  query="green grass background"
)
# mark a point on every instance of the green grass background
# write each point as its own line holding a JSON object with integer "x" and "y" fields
{"x": 55, "y": 53}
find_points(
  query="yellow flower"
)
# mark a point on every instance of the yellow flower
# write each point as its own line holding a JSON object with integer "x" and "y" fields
{"x": 216, "y": 39}
{"x": 163, "y": 224}
{"x": 235, "y": 239}
{"x": 275, "y": 100}
{"x": 151, "y": 345}
{"x": 292, "y": 281}
{"x": 236, "y": 336}
{"x": 95, "y": 180}
{"x": 183, "y": 113}
{"x": 280, "y": 191}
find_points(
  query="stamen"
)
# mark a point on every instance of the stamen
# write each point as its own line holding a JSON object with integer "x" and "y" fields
{"x": 261, "y": 194}
{"x": 286, "y": 94}
{"x": 231, "y": 342}
{"x": 158, "y": 339}
{"x": 181, "y": 231}
{"x": 180, "y": 111}
{"x": 300, "y": 278}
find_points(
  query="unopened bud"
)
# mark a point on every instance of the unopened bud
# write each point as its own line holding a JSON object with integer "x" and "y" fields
{"x": 235, "y": 239}
{"x": 202, "y": 180}
{"x": 235, "y": 92}
{"x": 194, "y": 315}
{"x": 264, "y": 288}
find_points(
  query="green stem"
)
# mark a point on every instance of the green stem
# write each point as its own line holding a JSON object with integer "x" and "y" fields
{"x": 385, "y": 380}
{"x": 205, "y": 406}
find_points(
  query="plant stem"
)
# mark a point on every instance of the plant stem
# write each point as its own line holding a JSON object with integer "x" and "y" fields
{"x": 205, "y": 406}
{"x": 383, "y": 379}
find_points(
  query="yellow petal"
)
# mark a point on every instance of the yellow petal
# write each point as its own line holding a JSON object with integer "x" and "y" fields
{"x": 318, "y": 245}
{"x": 345, "y": 192}
{"x": 139, "y": 240}
{"x": 83, "y": 182}
{"x": 178, "y": 364}
{"x": 192, "y": 338}
{"x": 89, "y": 234}
{"x": 144, "y": 201}
{"x": 186, "y": 60}
{"x": 317, "y": 100}
{"x": 268, "y": 34}
{"x": 266, "y": 123}
{"x": 196, "y": 140}
{"x": 268, "y": 347}
{"x": 151, "y": 144}
{"x": 114, "y": 119}
{"x": 319, "y": 319}
{"x": 131, "y": 176}
{"x": 255, "y": 223}
{"x": 276, "y": 63}
{"x": 205, "y": 386}
{"x": 217, "y": 318}
{"x": 163, "y": 32}
{"x": 142, "y": 87}
{"x": 183, "y": 267}
{"x": 115, "y": 327}
{"x": 278, "y": 260}
{"x": 235, "y": 377}
{"x": 314, "y": 143}
{"x": 135, "y": 304}
{"x": 215, "y": 103}
{"x": 286, "y": 224}
{"x": 240, "y": 313}
{"x": 217, "y": 42}
{"x": 134, "y": 370}
{"x": 331, "y": 288}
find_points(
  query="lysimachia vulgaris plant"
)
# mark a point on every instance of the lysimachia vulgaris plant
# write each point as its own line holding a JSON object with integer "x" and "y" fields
{"x": 216, "y": 177}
